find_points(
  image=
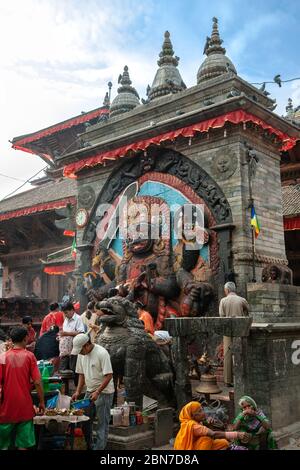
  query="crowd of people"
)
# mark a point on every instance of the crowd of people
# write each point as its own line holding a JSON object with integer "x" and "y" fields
{"x": 67, "y": 339}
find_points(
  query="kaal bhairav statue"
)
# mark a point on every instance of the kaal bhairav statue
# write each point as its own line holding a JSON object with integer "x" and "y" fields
{"x": 168, "y": 282}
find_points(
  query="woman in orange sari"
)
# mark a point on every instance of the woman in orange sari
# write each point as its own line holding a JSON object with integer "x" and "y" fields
{"x": 193, "y": 435}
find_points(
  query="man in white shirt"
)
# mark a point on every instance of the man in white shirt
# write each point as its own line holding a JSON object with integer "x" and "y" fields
{"x": 72, "y": 326}
{"x": 95, "y": 371}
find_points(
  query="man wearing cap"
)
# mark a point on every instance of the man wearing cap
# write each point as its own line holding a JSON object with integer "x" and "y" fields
{"x": 95, "y": 371}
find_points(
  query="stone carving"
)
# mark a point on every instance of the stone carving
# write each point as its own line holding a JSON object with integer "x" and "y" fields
{"x": 146, "y": 270}
{"x": 172, "y": 162}
{"x": 86, "y": 197}
{"x": 134, "y": 355}
{"x": 224, "y": 164}
{"x": 192, "y": 273}
{"x": 260, "y": 258}
{"x": 252, "y": 160}
{"x": 277, "y": 274}
{"x": 167, "y": 284}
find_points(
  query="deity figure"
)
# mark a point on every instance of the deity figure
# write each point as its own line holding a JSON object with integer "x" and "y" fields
{"x": 192, "y": 272}
{"x": 223, "y": 163}
{"x": 277, "y": 274}
{"x": 166, "y": 284}
{"x": 146, "y": 268}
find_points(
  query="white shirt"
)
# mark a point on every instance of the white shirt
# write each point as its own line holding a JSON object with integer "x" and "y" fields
{"x": 66, "y": 342}
{"x": 73, "y": 324}
{"x": 94, "y": 366}
{"x": 2, "y": 346}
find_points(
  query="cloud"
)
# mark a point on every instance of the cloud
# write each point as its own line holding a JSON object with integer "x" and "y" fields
{"x": 57, "y": 60}
{"x": 246, "y": 36}
{"x": 295, "y": 95}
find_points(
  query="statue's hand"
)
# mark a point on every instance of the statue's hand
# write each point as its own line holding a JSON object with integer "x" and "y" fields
{"x": 193, "y": 288}
{"x": 188, "y": 287}
{"x": 141, "y": 277}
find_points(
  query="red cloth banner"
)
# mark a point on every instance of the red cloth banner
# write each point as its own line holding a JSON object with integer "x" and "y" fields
{"x": 48, "y": 206}
{"x": 235, "y": 117}
{"x": 69, "y": 233}
{"x": 59, "y": 270}
{"x": 59, "y": 127}
{"x": 291, "y": 224}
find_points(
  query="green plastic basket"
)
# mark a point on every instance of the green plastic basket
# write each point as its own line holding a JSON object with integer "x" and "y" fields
{"x": 55, "y": 386}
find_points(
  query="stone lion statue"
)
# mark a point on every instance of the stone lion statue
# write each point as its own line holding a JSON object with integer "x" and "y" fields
{"x": 135, "y": 356}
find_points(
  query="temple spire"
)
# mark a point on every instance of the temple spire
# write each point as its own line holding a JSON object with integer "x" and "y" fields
{"x": 167, "y": 79}
{"x": 127, "y": 97}
{"x": 289, "y": 108}
{"x": 167, "y": 52}
{"x": 215, "y": 41}
{"x": 124, "y": 78}
{"x": 216, "y": 62}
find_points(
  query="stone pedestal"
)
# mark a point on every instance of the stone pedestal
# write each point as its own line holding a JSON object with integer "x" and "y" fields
{"x": 274, "y": 302}
{"x": 163, "y": 426}
{"x": 267, "y": 362}
{"x": 266, "y": 355}
{"x": 181, "y": 329}
{"x": 130, "y": 438}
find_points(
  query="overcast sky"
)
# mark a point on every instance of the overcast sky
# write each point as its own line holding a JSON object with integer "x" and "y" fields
{"x": 58, "y": 55}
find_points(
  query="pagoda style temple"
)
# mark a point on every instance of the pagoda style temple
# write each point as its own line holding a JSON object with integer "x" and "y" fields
{"x": 290, "y": 178}
{"x": 35, "y": 254}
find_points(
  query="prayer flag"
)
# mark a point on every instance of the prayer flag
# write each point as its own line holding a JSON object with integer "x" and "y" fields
{"x": 254, "y": 222}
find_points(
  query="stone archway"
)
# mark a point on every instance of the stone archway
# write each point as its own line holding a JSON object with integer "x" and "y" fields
{"x": 177, "y": 170}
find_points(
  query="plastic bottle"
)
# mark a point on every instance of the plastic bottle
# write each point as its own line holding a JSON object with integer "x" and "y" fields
{"x": 132, "y": 419}
{"x": 117, "y": 416}
{"x": 139, "y": 417}
{"x": 126, "y": 413}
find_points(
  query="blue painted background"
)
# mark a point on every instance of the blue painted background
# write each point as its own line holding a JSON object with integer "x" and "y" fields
{"x": 173, "y": 198}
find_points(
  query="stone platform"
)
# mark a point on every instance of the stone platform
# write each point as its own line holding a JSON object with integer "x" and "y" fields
{"x": 131, "y": 438}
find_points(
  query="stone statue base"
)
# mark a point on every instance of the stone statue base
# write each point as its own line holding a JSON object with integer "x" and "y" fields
{"x": 273, "y": 302}
{"x": 130, "y": 438}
